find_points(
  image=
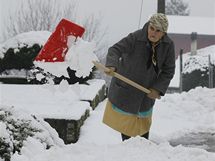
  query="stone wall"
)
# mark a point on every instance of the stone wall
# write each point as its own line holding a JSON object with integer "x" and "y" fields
{"x": 69, "y": 130}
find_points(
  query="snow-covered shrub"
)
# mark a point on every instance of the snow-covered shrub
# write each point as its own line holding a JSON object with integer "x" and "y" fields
{"x": 20, "y": 52}
{"x": 16, "y": 127}
{"x": 21, "y": 57}
{"x": 196, "y": 69}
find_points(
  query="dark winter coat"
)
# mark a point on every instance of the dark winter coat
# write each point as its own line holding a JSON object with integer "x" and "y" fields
{"x": 131, "y": 57}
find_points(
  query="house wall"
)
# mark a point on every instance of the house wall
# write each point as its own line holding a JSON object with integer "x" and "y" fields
{"x": 183, "y": 41}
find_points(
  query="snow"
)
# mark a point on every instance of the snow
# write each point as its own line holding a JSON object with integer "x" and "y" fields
{"x": 52, "y": 101}
{"x": 186, "y": 111}
{"x": 28, "y": 38}
{"x": 79, "y": 58}
{"x": 173, "y": 116}
{"x": 46, "y": 136}
{"x": 137, "y": 149}
{"x": 3, "y": 131}
{"x": 196, "y": 62}
{"x": 88, "y": 92}
{"x": 199, "y": 61}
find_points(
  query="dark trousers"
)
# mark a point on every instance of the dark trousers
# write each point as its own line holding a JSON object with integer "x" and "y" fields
{"x": 125, "y": 137}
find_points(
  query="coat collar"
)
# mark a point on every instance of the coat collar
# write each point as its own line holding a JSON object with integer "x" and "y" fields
{"x": 143, "y": 35}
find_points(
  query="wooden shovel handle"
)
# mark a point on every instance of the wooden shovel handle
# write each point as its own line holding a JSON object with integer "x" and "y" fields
{"x": 121, "y": 77}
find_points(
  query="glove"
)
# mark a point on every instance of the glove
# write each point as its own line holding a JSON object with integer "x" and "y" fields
{"x": 110, "y": 71}
{"x": 154, "y": 94}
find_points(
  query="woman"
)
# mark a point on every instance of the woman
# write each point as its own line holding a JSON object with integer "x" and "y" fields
{"x": 147, "y": 57}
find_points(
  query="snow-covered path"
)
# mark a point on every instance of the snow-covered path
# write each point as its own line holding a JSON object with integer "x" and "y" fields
{"x": 94, "y": 131}
{"x": 174, "y": 116}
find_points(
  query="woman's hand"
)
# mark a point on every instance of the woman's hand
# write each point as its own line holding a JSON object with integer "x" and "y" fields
{"x": 110, "y": 71}
{"x": 154, "y": 94}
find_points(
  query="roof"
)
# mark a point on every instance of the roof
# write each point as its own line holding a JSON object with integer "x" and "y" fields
{"x": 189, "y": 24}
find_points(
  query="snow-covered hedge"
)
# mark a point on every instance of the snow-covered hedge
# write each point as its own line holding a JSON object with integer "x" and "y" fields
{"x": 19, "y": 58}
{"x": 18, "y": 128}
{"x": 20, "y": 51}
{"x": 196, "y": 78}
{"x": 196, "y": 68}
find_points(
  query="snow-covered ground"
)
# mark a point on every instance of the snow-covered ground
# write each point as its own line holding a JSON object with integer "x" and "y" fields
{"x": 174, "y": 115}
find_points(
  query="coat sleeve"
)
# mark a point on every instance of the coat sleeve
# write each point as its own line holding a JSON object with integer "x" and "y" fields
{"x": 167, "y": 71}
{"x": 115, "y": 52}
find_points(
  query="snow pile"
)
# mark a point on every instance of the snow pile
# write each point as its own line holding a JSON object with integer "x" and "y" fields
{"x": 24, "y": 39}
{"x": 79, "y": 58}
{"x": 136, "y": 149}
{"x": 17, "y": 128}
{"x": 185, "y": 112}
{"x": 174, "y": 115}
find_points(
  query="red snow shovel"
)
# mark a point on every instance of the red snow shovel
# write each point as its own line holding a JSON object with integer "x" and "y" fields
{"x": 122, "y": 78}
{"x": 56, "y": 47}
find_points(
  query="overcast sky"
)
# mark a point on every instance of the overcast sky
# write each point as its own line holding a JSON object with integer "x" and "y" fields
{"x": 120, "y": 16}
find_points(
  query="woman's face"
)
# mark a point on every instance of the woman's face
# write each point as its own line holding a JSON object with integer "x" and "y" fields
{"x": 154, "y": 35}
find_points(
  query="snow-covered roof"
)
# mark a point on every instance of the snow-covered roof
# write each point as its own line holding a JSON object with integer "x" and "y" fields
{"x": 189, "y": 24}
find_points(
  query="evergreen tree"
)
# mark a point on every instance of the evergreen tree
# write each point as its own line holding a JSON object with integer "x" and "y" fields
{"x": 177, "y": 7}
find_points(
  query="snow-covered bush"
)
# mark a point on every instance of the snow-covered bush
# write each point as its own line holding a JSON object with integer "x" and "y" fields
{"x": 20, "y": 52}
{"x": 198, "y": 77}
{"x": 21, "y": 57}
{"x": 196, "y": 68}
{"x": 17, "y": 127}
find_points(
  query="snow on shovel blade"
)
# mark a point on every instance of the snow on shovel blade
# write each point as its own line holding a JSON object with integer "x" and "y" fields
{"x": 56, "y": 47}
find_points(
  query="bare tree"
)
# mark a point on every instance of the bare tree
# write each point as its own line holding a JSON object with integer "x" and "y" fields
{"x": 95, "y": 32}
{"x": 177, "y": 7}
{"x": 37, "y": 15}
